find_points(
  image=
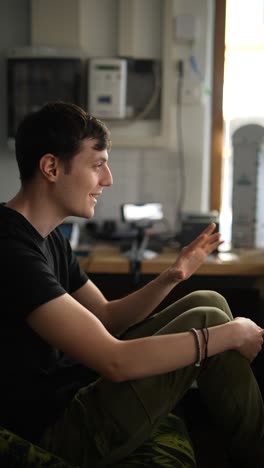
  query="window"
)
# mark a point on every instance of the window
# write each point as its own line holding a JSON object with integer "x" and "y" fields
{"x": 239, "y": 64}
{"x": 243, "y": 90}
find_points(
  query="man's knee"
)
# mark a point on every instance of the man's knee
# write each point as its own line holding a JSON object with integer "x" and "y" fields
{"x": 209, "y": 316}
{"x": 211, "y": 298}
{"x": 199, "y": 317}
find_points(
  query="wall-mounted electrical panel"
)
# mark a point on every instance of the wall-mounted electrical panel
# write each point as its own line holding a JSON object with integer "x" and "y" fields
{"x": 126, "y": 89}
{"x": 107, "y": 84}
{"x": 131, "y": 30}
{"x": 36, "y": 75}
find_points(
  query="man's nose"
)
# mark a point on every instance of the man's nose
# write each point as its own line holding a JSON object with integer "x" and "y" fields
{"x": 107, "y": 178}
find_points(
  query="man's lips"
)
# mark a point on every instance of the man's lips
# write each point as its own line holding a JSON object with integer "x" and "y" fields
{"x": 94, "y": 196}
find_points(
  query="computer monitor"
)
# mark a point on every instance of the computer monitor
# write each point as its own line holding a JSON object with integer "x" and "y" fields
{"x": 71, "y": 231}
{"x": 141, "y": 212}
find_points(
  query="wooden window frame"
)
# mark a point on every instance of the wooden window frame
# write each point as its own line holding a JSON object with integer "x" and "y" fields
{"x": 217, "y": 106}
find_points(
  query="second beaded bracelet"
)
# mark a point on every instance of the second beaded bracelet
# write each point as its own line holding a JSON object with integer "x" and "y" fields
{"x": 198, "y": 346}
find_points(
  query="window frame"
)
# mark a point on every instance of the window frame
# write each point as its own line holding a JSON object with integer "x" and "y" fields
{"x": 217, "y": 106}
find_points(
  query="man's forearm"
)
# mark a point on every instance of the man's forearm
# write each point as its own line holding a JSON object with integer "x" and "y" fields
{"x": 156, "y": 355}
{"x": 121, "y": 314}
{"x": 124, "y": 312}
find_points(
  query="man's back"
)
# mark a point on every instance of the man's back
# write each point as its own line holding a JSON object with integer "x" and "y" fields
{"x": 33, "y": 271}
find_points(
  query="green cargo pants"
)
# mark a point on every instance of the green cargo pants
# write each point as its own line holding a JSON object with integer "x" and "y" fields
{"x": 106, "y": 421}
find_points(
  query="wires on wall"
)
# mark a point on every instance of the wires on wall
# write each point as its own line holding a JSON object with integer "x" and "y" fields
{"x": 152, "y": 102}
{"x": 179, "y": 130}
{"x": 155, "y": 94}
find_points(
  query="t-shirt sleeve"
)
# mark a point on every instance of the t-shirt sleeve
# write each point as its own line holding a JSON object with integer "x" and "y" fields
{"x": 27, "y": 282}
{"x": 31, "y": 276}
{"x": 77, "y": 277}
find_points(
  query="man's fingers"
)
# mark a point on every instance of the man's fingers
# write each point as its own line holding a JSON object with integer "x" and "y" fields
{"x": 209, "y": 229}
{"x": 209, "y": 239}
{"x": 214, "y": 245}
{"x": 205, "y": 238}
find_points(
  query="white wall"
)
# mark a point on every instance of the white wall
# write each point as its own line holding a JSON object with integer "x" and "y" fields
{"x": 14, "y": 31}
{"x": 139, "y": 175}
{"x": 196, "y": 117}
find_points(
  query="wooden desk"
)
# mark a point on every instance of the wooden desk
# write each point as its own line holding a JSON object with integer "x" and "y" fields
{"x": 240, "y": 263}
{"x": 108, "y": 259}
{"x": 105, "y": 259}
{"x": 239, "y": 277}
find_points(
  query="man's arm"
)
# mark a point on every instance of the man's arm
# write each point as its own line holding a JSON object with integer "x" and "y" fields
{"x": 120, "y": 314}
{"x": 67, "y": 325}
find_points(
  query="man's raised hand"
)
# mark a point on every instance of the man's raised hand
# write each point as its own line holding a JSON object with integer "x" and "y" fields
{"x": 194, "y": 254}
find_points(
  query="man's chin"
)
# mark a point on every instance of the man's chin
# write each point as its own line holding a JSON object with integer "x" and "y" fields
{"x": 90, "y": 213}
{"x": 85, "y": 214}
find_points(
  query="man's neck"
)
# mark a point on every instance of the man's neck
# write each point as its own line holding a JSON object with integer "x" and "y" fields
{"x": 36, "y": 209}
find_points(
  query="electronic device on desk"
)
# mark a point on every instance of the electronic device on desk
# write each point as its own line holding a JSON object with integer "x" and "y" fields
{"x": 193, "y": 223}
{"x": 141, "y": 216}
{"x": 71, "y": 231}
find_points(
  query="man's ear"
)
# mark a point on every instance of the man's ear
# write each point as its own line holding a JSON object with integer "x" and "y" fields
{"x": 49, "y": 166}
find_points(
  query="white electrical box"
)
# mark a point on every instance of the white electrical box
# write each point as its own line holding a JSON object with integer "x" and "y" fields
{"x": 107, "y": 87}
{"x": 185, "y": 28}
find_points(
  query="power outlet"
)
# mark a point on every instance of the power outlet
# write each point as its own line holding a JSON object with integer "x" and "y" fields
{"x": 191, "y": 92}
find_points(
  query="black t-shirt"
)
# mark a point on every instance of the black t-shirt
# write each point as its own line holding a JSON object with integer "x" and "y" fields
{"x": 36, "y": 380}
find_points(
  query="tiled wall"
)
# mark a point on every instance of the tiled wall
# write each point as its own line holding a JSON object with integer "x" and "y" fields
{"x": 141, "y": 176}
{"x": 14, "y": 30}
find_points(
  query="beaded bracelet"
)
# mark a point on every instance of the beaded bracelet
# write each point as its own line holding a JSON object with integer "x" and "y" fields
{"x": 198, "y": 346}
{"x": 205, "y": 333}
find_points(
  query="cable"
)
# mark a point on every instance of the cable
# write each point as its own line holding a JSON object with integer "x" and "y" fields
{"x": 152, "y": 101}
{"x": 179, "y": 129}
{"x": 155, "y": 95}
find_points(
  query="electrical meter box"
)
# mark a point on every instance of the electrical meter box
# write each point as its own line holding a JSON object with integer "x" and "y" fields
{"x": 107, "y": 87}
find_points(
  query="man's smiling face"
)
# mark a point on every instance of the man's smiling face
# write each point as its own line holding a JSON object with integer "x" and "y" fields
{"x": 79, "y": 187}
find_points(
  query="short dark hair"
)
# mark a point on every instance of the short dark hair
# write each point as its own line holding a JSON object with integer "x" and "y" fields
{"x": 58, "y": 128}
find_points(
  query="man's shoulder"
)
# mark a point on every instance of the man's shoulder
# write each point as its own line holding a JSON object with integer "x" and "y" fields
{"x": 15, "y": 231}
{"x": 9, "y": 221}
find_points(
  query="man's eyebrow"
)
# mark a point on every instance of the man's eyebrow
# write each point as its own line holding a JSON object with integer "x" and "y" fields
{"x": 100, "y": 158}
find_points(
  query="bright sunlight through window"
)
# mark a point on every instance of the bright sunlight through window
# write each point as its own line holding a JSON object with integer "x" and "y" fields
{"x": 243, "y": 93}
